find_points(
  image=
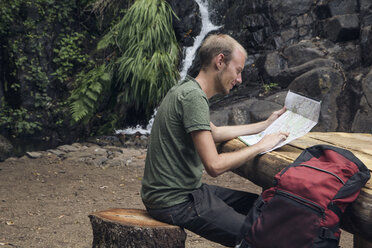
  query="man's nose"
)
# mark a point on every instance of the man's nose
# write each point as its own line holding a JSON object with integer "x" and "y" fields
{"x": 239, "y": 79}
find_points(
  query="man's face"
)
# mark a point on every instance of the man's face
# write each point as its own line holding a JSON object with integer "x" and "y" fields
{"x": 231, "y": 73}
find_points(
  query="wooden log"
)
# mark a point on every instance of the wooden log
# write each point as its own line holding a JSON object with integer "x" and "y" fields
{"x": 261, "y": 171}
{"x": 133, "y": 228}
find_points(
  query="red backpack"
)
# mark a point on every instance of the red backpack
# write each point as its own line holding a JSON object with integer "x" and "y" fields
{"x": 304, "y": 207}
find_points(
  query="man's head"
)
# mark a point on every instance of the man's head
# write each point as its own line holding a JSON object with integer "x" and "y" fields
{"x": 218, "y": 44}
{"x": 223, "y": 59}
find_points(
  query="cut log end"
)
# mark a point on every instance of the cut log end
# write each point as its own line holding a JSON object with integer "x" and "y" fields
{"x": 133, "y": 228}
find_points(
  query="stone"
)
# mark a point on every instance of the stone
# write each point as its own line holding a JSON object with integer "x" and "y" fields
{"x": 255, "y": 22}
{"x": 57, "y": 152}
{"x": 68, "y": 148}
{"x": 188, "y": 26}
{"x": 323, "y": 84}
{"x": 366, "y": 45}
{"x": 363, "y": 118}
{"x": 342, "y": 7}
{"x": 282, "y": 11}
{"x": 6, "y": 148}
{"x": 301, "y": 53}
{"x": 274, "y": 64}
{"x": 34, "y": 154}
{"x": 260, "y": 110}
{"x": 285, "y": 77}
{"x": 278, "y": 98}
{"x": 238, "y": 116}
{"x": 342, "y": 28}
{"x": 348, "y": 54}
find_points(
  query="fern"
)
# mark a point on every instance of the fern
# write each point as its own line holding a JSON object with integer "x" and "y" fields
{"x": 84, "y": 99}
{"x": 147, "y": 66}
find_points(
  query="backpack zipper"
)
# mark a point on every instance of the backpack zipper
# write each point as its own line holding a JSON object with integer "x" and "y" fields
{"x": 322, "y": 170}
{"x": 303, "y": 201}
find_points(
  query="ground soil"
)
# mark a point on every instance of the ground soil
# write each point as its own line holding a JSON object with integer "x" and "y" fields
{"x": 45, "y": 202}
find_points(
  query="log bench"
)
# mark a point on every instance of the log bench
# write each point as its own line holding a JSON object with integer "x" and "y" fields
{"x": 261, "y": 171}
{"x": 133, "y": 228}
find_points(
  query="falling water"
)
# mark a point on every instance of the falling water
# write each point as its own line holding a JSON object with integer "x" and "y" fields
{"x": 207, "y": 26}
{"x": 189, "y": 55}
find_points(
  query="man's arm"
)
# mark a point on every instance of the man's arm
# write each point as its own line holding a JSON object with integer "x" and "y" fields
{"x": 216, "y": 164}
{"x": 225, "y": 133}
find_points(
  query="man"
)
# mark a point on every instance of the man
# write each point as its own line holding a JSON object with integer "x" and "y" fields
{"x": 182, "y": 144}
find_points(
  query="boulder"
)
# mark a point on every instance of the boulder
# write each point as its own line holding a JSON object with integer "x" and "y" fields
{"x": 6, "y": 148}
{"x": 363, "y": 118}
{"x": 188, "y": 25}
{"x": 342, "y": 28}
{"x": 274, "y": 64}
{"x": 282, "y": 11}
{"x": 302, "y": 52}
{"x": 285, "y": 77}
{"x": 260, "y": 110}
{"x": 325, "y": 84}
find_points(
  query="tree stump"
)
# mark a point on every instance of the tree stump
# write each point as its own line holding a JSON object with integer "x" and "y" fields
{"x": 133, "y": 228}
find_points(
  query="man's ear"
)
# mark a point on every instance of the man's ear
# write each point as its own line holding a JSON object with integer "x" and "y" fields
{"x": 220, "y": 61}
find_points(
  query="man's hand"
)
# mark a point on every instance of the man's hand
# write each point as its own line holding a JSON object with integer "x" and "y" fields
{"x": 275, "y": 115}
{"x": 271, "y": 140}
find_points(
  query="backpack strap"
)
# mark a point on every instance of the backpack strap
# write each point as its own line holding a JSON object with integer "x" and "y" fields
{"x": 336, "y": 209}
{"x": 327, "y": 233}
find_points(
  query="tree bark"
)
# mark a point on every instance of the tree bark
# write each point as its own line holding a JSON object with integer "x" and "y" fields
{"x": 133, "y": 228}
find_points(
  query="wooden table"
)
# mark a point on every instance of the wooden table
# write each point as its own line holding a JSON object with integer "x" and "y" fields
{"x": 261, "y": 171}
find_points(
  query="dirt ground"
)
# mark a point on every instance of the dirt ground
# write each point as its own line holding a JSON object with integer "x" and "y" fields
{"x": 45, "y": 202}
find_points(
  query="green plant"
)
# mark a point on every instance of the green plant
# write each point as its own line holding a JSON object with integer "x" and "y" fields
{"x": 84, "y": 99}
{"x": 69, "y": 55}
{"x": 143, "y": 61}
{"x": 268, "y": 87}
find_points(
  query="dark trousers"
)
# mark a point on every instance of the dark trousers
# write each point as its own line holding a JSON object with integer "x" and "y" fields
{"x": 213, "y": 212}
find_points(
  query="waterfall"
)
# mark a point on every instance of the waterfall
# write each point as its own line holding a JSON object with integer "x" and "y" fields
{"x": 189, "y": 55}
{"x": 207, "y": 26}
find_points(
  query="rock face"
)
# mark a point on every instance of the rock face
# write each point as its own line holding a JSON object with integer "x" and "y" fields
{"x": 321, "y": 48}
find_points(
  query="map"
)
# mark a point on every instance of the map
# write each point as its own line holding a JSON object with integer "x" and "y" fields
{"x": 301, "y": 116}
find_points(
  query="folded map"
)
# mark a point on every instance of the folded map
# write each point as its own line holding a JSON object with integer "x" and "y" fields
{"x": 301, "y": 116}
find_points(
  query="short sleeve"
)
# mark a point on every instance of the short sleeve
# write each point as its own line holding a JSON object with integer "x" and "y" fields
{"x": 195, "y": 108}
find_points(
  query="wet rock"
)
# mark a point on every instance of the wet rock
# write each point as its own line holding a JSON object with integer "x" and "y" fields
{"x": 283, "y": 10}
{"x": 285, "y": 77}
{"x": 302, "y": 52}
{"x": 274, "y": 64}
{"x": 262, "y": 109}
{"x": 363, "y": 118}
{"x": 238, "y": 116}
{"x": 348, "y": 54}
{"x": 330, "y": 8}
{"x": 341, "y": 28}
{"x": 6, "y": 148}
{"x": 323, "y": 84}
{"x": 188, "y": 26}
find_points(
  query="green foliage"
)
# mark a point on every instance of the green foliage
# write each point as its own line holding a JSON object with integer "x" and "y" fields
{"x": 18, "y": 121}
{"x": 143, "y": 61}
{"x": 70, "y": 55}
{"x": 27, "y": 29}
{"x": 268, "y": 87}
{"x": 146, "y": 67}
{"x": 84, "y": 99}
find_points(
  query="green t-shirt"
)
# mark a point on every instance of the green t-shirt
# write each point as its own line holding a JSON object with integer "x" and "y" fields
{"x": 173, "y": 168}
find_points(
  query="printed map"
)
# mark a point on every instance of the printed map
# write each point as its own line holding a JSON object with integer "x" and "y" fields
{"x": 301, "y": 116}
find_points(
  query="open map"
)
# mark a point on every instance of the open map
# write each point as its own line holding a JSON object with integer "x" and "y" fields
{"x": 301, "y": 116}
